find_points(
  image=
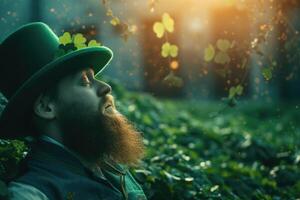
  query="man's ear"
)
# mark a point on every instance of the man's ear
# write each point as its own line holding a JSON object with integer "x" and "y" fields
{"x": 44, "y": 108}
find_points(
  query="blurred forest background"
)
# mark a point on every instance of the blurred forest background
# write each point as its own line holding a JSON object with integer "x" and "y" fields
{"x": 213, "y": 85}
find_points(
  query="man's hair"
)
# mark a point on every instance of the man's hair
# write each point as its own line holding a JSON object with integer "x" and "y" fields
{"x": 51, "y": 92}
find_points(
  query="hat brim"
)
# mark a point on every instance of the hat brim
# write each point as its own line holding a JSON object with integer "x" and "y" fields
{"x": 14, "y": 121}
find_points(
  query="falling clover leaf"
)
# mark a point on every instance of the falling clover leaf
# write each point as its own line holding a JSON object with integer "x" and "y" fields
{"x": 209, "y": 53}
{"x": 79, "y": 41}
{"x": 167, "y": 24}
{"x": 172, "y": 80}
{"x": 65, "y": 38}
{"x": 267, "y": 73}
{"x": 159, "y": 29}
{"x": 222, "y": 58}
{"x": 233, "y": 91}
{"x": 115, "y": 21}
{"x": 168, "y": 49}
{"x": 93, "y": 43}
{"x": 239, "y": 89}
{"x": 223, "y": 45}
{"x": 109, "y": 12}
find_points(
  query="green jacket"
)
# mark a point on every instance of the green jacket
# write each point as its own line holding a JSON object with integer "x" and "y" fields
{"x": 52, "y": 172}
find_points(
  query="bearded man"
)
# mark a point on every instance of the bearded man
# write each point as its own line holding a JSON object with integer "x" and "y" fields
{"x": 82, "y": 146}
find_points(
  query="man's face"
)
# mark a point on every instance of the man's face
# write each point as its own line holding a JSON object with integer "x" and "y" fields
{"x": 91, "y": 125}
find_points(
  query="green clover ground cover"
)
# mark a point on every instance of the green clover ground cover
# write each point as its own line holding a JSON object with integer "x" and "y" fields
{"x": 194, "y": 151}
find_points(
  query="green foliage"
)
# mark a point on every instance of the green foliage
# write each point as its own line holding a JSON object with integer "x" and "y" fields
{"x": 11, "y": 153}
{"x": 247, "y": 152}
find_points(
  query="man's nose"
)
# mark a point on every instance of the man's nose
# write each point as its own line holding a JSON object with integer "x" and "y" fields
{"x": 103, "y": 88}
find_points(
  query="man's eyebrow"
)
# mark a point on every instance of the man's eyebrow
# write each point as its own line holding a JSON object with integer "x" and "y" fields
{"x": 84, "y": 73}
{"x": 91, "y": 71}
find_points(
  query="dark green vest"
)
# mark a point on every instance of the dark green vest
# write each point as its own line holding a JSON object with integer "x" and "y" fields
{"x": 61, "y": 176}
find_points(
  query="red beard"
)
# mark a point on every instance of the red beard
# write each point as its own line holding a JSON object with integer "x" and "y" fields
{"x": 106, "y": 133}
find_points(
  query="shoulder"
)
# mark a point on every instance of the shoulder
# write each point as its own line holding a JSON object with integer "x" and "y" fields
{"x": 21, "y": 191}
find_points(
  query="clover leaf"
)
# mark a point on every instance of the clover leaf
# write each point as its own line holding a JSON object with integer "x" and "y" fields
{"x": 235, "y": 90}
{"x": 70, "y": 43}
{"x": 79, "y": 41}
{"x": 267, "y": 73}
{"x": 167, "y": 24}
{"x": 159, "y": 29}
{"x": 65, "y": 38}
{"x": 223, "y": 45}
{"x": 219, "y": 52}
{"x": 209, "y": 53}
{"x": 168, "y": 49}
{"x": 172, "y": 80}
{"x": 222, "y": 58}
{"x": 94, "y": 43}
{"x": 115, "y": 21}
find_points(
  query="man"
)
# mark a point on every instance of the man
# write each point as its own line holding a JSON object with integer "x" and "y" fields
{"x": 82, "y": 144}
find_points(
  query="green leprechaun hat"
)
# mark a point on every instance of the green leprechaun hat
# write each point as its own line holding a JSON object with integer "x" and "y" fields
{"x": 33, "y": 58}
